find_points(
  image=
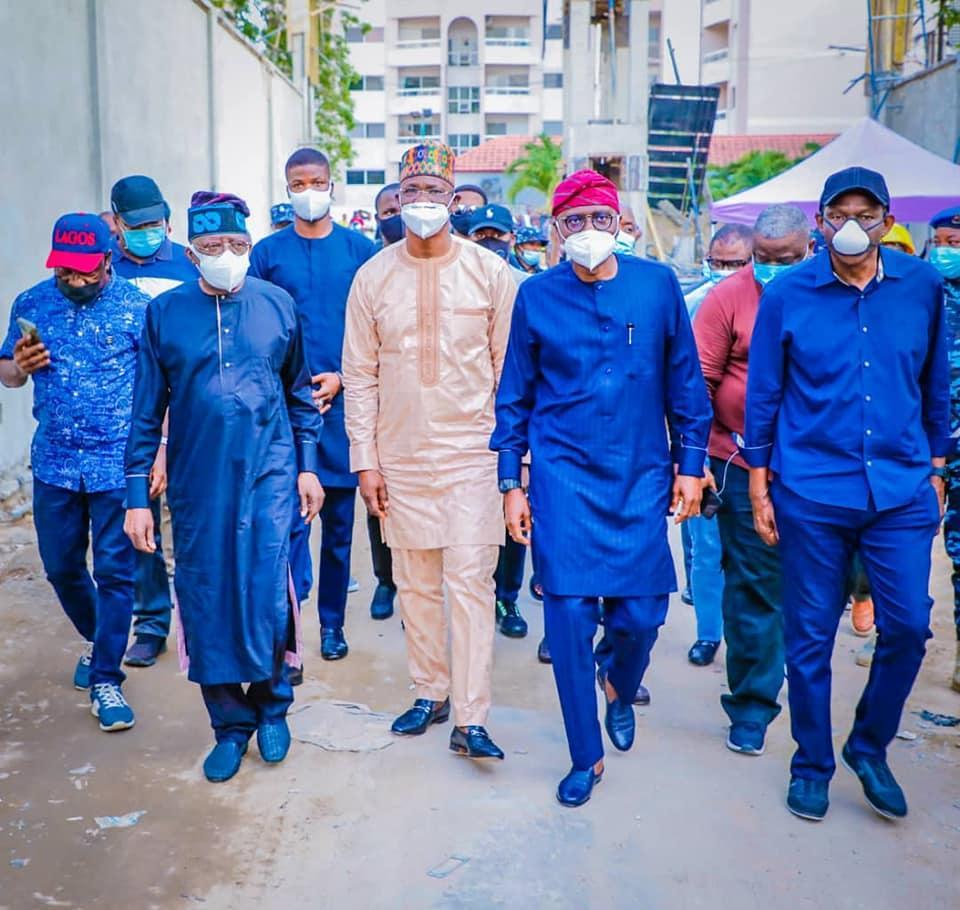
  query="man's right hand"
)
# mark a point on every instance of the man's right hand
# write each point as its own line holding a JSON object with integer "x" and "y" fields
{"x": 516, "y": 513}
{"x": 138, "y": 526}
{"x": 373, "y": 490}
{"x": 764, "y": 519}
{"x": 30, "y": 355}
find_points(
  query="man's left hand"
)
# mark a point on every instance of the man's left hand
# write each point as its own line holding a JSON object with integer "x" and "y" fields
{"x": 311, "y": 496}
{"x": 158, "y": 473}
{"x": 326, "y": 387}
{"x": 687, "y": 494}
{"x": 940, "y": 488}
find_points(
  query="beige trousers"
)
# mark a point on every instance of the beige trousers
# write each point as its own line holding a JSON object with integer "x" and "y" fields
{"x": 467, "y": 572}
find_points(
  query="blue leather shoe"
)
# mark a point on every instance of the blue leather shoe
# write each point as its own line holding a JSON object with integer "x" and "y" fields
{"x": 543, "y": 651}
{"x": 416, "y": 720}
{"x": 702, "y": 652}
{"x": 620, "y": 723}
{"x": 333, "y": 646}
{"x": 576, "y": 787}
{"x": 509, "y": 620}
{"x": 381, "y": 607}
{"x": 808, "y": 798}
{"x": 273, "y": 741}
{"x": 224, "y": 761}
{"x": 880, "y": 787}
{"x": 746, "y": 737}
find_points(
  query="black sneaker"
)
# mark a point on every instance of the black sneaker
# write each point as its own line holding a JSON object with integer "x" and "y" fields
{"x": 880, "y": 787}
{"x": 144, "y": 651}
{"x": 808, "y": 798}
{"x": 509, "y": 620}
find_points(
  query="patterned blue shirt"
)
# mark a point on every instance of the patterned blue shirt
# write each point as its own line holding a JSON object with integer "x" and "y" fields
{"x": 82, "y": 401}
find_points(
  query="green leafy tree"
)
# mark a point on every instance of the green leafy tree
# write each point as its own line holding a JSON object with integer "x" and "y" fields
{"x": 751, "y": 170}
{"x": 538, "y": 169}
{"x": 263, "y": 22}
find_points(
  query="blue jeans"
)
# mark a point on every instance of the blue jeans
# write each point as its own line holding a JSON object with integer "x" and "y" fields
{"x": 152, "y": 605}
{"x": 631, "y": 626}
{"x": 817, "y": 543}
{"x": 706, "y": 578}
{"x": 100, "y": 612}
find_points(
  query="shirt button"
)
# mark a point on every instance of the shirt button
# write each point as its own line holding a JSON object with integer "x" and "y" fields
{"x": 869, "y": 463}
{"x": 227, "y": 331}
{"x": 227, "y": 364}
{"x": 866, "y": 363}
{"x": 868, "y": 397}
{"x": 608, "y": 370}
{"x": 869, "y": 432}
{"x": 606, "y": 328}
{"x": 864, "y": 328}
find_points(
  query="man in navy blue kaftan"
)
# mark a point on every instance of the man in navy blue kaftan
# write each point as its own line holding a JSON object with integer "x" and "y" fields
{"x": 225, "y": 354}
{"x": 601, "y": 361}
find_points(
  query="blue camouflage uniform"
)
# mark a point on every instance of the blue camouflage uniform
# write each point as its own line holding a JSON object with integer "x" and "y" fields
{"x": 951, "y": 520}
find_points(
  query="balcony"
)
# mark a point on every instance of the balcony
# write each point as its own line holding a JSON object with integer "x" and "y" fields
{"x": 716, "y": 67}
{"x": 513, "y": 99}
{"x": 510, "y": 50}
{"x": 415, "y": 52}
{"x": 407, "y": 100}
{"x": 716, "y": 12}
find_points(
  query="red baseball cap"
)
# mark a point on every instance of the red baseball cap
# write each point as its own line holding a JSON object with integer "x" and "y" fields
{"x": 80, "y": 241}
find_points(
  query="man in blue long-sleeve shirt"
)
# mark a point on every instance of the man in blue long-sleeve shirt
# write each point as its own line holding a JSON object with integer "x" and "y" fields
{"x": 847, "y": 426}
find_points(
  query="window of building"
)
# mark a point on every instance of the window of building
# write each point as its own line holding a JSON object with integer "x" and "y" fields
{"x": 507, "y": 31}
{"x": 374, "y": 36}
{"x": 462, "y": 52}
{"x": 419, "y": 85}
{"x": 553, "y": 127}
{"x": 366, "y": 178}
{"x": 554, "y": 31}
{"x": 354, "y": 35}
{"x": 367, "y": 84}
{"x": 461, "y": 141}
{"x": 463, "y": 99}
{"x": 368, "y": 131}
{"x": 553, "y": 80}
{"x": 496, "y": 129}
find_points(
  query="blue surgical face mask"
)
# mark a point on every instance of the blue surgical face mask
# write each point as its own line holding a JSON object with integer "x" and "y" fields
{"x": 144, "y": 242}
{"x": 765, "y": 272}
{"x": 946, "y": 260}
{"x": 530, "y": 257}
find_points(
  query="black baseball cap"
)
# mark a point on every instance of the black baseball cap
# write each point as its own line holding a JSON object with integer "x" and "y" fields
{"x": 495, "y": 216}
{"x": 855, "y": 179}
{"x": 138, "y": 200}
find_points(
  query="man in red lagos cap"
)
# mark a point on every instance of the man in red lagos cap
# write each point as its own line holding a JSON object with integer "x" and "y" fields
{"x": 601, "y": 361}
{"x": 77, "y": 335}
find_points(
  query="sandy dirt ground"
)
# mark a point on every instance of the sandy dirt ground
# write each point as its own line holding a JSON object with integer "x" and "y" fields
{"x": 357, "y": 819}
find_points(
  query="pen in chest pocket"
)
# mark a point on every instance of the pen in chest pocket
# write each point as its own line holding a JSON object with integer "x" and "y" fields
{"x": 629, "y": 333}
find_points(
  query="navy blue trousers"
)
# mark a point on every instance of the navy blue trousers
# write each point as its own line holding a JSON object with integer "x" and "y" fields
{"x": 632, "y": 625}
{"x": 99, "y": 607}
{"x": 336, "y": 521}
{"x": 509, "y": 574}
{"x": 235, "y": 713}
{"x": 817, "y": 543}
{"x": 152, "y": 604}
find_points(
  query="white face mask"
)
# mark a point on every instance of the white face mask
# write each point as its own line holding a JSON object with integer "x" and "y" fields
{"x": 851, "y": 239}
{"x": 425, "y": 218}
{"x": 589, "y": 248}
{"x": 224, "y": 272}
{"x": 311, "y": 205}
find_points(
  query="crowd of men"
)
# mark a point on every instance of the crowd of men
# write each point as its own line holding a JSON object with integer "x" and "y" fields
{"x": 800, "y": 428}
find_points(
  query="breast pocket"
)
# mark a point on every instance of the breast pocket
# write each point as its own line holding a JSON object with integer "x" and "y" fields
{"x": 258, "y": 391}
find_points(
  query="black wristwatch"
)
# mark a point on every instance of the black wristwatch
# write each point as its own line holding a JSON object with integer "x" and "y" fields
{"x": 507, "y": 485}
{"x": 939, "y": 472}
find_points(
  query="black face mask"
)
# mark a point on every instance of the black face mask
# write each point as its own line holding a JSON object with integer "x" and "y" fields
{"x": 86, "y": 293}
{"x": 461, "y": 222}
{"x": 391, "y": 229}
{"x": 500, "y": 247}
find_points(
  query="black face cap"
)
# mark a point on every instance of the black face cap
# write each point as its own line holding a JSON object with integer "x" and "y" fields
{"x": 137, "y": 200}
{"x": 855, "y": 180}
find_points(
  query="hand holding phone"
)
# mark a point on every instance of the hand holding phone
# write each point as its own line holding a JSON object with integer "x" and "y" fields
{"x": 29, "y": 353}
{"x": 28, "y": 330}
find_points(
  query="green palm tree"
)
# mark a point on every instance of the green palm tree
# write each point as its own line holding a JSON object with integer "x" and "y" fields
{"x": 538, "y": 169}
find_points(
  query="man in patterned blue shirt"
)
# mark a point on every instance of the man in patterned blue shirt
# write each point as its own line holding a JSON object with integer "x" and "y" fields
{"x": 77, "y": 336}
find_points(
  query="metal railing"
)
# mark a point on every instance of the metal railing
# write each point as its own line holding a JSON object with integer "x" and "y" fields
{"x": 463, "y": 58}
{"x": 716, "y": 56}
{"x": 507, "y": 89}
{"x": 413, "y": 140}
{"x": 507, "y": 42}
{"x": 417, "y": 44}
{"x": 416, "y": 92}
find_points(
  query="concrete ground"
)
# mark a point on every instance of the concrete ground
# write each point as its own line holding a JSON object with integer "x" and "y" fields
{"x": 355, "y": 818}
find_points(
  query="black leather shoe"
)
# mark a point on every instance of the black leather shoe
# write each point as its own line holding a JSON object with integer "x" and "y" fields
{"x": 381, "y": 607}
{"x": 808, "y": 798}
{"x": 702, "y": 652}
{"x": 536, "y": 591}
{"x": 423, "y": 713}
{"x": 880, "y": 788}
{"x": 576, "y": 787}
{"x": 543, "y": 651}
{"x": 295, "y": 675}
{"x": 333, "y": 646}
{"x": 620, "y": 723}
{"x": 686, "y": 595}
{"x": 474, "y": 742}
{"x": 643, "y": 696}
{"x": 509, "y": 620}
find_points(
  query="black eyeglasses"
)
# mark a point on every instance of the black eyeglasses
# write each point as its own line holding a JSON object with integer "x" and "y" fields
{"x": 726, "y": 263}
{"x": 573, "y": 224}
